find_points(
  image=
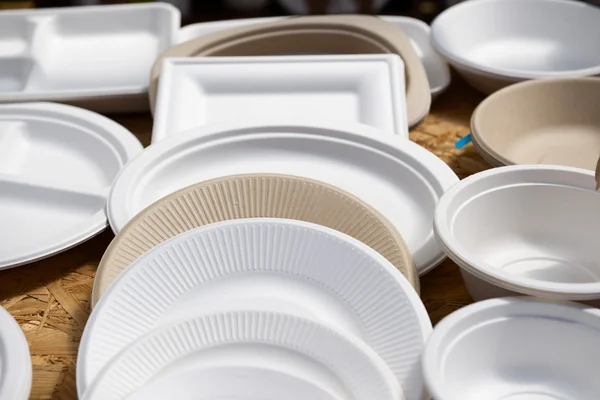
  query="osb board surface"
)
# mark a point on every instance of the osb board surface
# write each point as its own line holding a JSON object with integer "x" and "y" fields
{"x": 50, "y": 298}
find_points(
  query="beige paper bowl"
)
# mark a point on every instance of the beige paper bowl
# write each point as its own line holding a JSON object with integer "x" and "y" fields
{"x": 252, "y": 196}
{"x": 546, "y": 121}
{"x": 342, "y": 34}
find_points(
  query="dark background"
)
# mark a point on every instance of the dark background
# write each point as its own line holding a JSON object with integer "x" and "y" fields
{"x": 208, "y": 10}
{"x": 211, "y": 10}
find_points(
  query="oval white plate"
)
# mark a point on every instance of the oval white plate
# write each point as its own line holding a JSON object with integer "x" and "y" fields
{"x": 15, "y": 361}
{"x": 263, "y": 264}
{"x": 438, "y": 72}
{"x": 400, "y": 179}
{"x": 180, "y": 357}
{"x": 57, "y": 163}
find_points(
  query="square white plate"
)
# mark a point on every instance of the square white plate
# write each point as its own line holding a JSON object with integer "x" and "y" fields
{"x": 348, "y": 88}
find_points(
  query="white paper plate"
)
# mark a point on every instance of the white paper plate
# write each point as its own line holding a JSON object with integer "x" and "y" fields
{"x": 15, "y": 361}
{"x": 402, "y": 180}
{"x": 437, "y": 70}
{"x": 228, "y": 383}
{"x": 57, "y": 164}
{"x": 76, "y": 54}
{"x": 270, "y": 265}
{"x": 197, "y": 91}
{"x": 181, "y": 358}
{"x": 515, "y": 348}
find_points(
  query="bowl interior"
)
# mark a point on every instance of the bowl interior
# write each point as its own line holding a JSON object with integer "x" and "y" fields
{"x": 531, "y": 36}
{"x": 527, "y": 356}
{"x": 536, "y": 123}
{"x": 538, "y": 231}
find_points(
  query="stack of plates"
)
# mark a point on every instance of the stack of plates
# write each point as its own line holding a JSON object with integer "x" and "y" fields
{"x": 252, "y": 196}
{"x": 325, "y": 35}
{"x": 252, "y": 307}
{"x": 230, "y": 279}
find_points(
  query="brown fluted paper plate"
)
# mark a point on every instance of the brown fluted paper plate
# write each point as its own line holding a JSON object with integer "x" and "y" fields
{"x": 252, "y": 196}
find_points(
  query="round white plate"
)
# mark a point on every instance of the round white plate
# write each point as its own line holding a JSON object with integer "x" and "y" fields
{"x": 15, "y": 361}
{"x": 232, "y": 383}
{"x": 400, "y": 179}
{"x": 270, "y": 265}
{"x": 57, "y": 163}
{"x": 201, "y": 357}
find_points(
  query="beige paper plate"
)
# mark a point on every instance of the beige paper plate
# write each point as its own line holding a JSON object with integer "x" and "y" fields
{"x": 346, "y": 34}
{"x": 547, "y": 121}
{"x": 252, "y": 196}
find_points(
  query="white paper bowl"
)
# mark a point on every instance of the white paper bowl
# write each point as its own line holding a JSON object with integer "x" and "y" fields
{"x": 493, "y": 43}
{"x": 530, "y": 229}
{"x": 515, "y": 349}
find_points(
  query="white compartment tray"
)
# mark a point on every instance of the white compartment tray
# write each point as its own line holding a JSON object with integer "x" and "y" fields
{"x": 197, "y": 91}
{"x": 438, "y": 72}
{"x": 97, "y": 57}
{"x": 57, "y": 164}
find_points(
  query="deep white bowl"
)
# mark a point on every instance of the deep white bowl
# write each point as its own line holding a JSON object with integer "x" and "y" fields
{"x": 530, "y": 229}
{"x": 493, "y": 43}
{"x": 515, "y": 349}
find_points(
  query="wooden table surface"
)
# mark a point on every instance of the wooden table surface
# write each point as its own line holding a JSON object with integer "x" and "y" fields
{"x": 50, "y": 298}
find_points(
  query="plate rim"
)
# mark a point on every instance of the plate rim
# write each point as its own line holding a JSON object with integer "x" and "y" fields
{"x": 439, "y": 177}
{"x": 138, "y": 219}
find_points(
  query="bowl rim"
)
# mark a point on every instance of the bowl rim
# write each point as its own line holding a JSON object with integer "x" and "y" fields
{"x": 476, "y": 117}
{"x": 487, "y": 272}
{"x": 498, "y": 72}
{"x": 518, "y": 306}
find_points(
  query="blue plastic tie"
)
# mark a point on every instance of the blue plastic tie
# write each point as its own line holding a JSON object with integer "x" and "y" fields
{"x": 462, "y": 142}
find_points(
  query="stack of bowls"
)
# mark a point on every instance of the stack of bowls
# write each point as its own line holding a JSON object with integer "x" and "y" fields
{"x": 254, "y": 308}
